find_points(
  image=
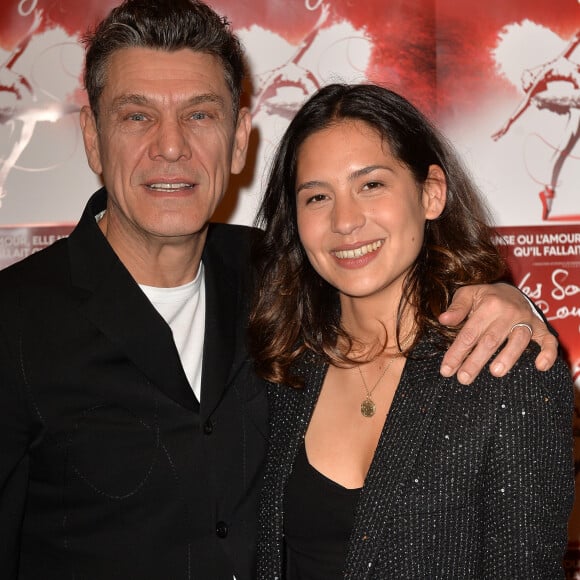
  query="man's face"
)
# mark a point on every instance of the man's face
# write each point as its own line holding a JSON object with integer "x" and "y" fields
{"x": 165, "y": 142}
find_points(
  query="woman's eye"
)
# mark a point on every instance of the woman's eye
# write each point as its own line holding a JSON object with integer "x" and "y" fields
{"x": 372, "y": 185}
{"x": 315, "y": 198}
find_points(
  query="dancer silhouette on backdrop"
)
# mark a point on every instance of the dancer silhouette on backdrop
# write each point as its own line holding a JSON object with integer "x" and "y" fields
{"x": 21, "y": 108}
{"x": 290, "y": 75}
{"x": 536, "y": 83}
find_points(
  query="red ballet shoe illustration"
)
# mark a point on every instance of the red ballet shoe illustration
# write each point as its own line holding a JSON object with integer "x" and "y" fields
{"x": 546, "y": 197}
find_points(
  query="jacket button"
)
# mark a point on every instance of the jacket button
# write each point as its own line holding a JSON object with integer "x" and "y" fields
{"x": 208, "y": 427}
{"x": 221, "y": 529}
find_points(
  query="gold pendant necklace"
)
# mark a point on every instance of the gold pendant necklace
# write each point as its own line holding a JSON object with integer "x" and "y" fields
{"x": 368, "y": 407}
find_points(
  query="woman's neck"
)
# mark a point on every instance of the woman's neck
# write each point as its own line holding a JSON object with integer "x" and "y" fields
{"x": 373, "y": 324}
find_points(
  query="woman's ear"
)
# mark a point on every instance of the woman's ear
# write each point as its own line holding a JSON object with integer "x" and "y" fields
{"x": 434, "y": 192}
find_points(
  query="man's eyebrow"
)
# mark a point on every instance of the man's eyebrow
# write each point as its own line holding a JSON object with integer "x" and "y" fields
{"x": 207, "y": 98}
{"x": 143, "y": 100}
{"x": 130, "y": 99}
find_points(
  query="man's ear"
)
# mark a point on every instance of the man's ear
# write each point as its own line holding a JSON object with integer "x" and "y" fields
{"x": 91, "y": 139}
{"x": 241, "y": 140}
{"x": 434, "y": 192}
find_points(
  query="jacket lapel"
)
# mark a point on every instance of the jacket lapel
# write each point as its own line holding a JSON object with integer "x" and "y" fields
{"x": 313, "y": 371}
{"x": 291, "y": 411}
{"x": 224, "y": 348}
{"x": 115, "y": 304}
{"x": 409, "y": 418}
{"x": 219, "y": 338}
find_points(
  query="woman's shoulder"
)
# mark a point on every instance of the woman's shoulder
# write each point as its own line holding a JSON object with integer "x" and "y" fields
{"x": 309, "y": 370}
{"x": 525, "y": 382}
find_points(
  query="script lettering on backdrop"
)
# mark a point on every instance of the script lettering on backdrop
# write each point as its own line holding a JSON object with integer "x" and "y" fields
{"x": 545, "y": 264}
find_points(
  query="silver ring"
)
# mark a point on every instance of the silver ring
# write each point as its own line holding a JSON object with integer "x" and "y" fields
{"x": 525, "y": 325}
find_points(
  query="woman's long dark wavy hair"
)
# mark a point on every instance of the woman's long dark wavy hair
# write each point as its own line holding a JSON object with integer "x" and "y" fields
{"x": 294, "y": 308}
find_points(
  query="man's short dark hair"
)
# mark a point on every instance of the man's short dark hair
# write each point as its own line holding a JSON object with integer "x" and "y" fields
{"x": 168, "y": 25}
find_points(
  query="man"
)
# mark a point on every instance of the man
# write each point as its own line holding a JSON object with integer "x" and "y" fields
{"x": 133, "y": 428}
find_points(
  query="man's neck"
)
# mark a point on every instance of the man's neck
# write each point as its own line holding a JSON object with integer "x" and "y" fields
{"x": 162, "y": 262}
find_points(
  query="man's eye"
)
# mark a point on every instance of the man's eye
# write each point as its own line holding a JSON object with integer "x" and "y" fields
{"x": 136, "y": 117}
{"x": 199, "y": 116}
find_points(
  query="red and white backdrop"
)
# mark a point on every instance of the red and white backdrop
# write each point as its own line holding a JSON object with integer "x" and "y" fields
{"x": 501, "y": 78}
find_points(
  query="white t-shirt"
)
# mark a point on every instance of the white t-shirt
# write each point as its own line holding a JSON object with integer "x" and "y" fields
{"x": 183, "y": 308}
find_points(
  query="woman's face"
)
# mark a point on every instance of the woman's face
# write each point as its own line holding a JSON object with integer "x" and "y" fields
{"x": 361, "y": 214}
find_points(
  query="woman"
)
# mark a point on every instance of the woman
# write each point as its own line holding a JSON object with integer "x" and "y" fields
{"x": 379, "y": 467}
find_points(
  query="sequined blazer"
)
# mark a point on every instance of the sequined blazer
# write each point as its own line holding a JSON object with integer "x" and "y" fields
{"x": 466, "y": 482}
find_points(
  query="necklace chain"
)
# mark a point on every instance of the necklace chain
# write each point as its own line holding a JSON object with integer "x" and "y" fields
{"x": 387, "y": 367}
{"x": 368, "y": 407}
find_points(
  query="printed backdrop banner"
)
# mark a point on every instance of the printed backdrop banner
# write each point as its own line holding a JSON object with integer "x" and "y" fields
{"x": 18, "y": 242}
{"x": 502, "y": 79}
{"x": 545, "y": 265}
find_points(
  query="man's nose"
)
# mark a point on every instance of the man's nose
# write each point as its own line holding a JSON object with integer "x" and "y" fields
{"x": 170, "y": 141}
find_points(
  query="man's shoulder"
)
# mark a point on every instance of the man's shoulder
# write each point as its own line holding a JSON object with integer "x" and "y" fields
{"x": 233, "y": 243}
{"x": 36, "y": 268}
{"x": 230, "y": 233}
{"x": 53, "y": 262}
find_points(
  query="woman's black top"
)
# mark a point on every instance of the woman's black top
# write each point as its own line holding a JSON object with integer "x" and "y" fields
{"x": 318, "y": 519}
